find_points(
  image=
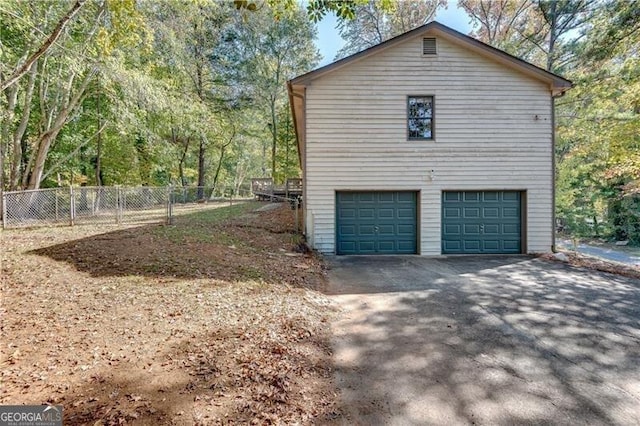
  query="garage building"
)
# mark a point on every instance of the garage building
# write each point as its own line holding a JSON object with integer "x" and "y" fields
{"x": 430, "y": 143}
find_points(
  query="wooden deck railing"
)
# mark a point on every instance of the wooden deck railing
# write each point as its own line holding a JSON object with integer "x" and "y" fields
{"x": 264, "y": 188}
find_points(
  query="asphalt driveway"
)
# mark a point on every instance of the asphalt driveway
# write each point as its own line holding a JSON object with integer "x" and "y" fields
{"x": 484, "y": 340}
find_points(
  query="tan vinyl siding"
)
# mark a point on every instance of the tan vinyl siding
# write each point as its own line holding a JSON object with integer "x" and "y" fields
{"x": 492, "y": 132}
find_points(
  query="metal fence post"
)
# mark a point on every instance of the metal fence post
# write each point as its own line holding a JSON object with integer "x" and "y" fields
{"x": 57, "y": 207}
{"x": 297, "y": 216}
{"x": 123, "y": 203}
{"x": 4, "y": 209}
{"x": 170, "y": 206}
{"x": 93, "y": 201}
{"x": 119, "y": 205}
{"x": 72, "y": 205}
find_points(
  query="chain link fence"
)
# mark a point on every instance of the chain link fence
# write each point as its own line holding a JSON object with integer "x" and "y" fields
{"x": 115, "y": 204}
{"x": 186, "y": 195}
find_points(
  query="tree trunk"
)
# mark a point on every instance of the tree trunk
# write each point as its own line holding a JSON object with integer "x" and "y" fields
{"x": 201, "y": 169}
{"x": 22, "y": 70}
{"x": 274, "y": 134}
{"x": 41, "y": 156}
{"x": 215, "y": 177}
{"x": 99, "y": 142}
{"x": 26, "y": 174}
{"x": 183, "y": 179}
{"x": 264, "y": 157}
{"x": 45, "y": 140}
{"x": 223, "y": 149}
{"x": 552, "y": 35}
{"x": 18, "y": 135}
{"x": 240, "y": 176}
{"x": 7, "y": 122}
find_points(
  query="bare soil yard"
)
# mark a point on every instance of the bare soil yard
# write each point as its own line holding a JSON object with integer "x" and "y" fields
{"x": 211, "y": 321}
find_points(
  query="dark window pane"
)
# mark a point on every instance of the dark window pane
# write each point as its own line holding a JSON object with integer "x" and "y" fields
{"x": 413, "y": 110}
{"x": 421, "y": 128}
{"x": 419, "y": 117}
{"x": 426, "y": 129}
{"x": 414, "y": 128}
{"x": 427, "y": 110}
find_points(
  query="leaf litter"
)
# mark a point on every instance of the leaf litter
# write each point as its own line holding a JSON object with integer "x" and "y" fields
{"x": 214, "y": 320}
{"x": 590, "y": 262}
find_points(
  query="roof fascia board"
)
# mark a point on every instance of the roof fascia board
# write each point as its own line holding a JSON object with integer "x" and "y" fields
{"x": 294, "y": 98}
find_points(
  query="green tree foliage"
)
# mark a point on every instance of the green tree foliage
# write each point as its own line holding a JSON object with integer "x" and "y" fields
{"x": 376, "y": 21}
{"x": 9, "y": 77}
{"x": 59, "y": 80}
{"x": 316, "y": 9}
{"x": 598, "y": 147}
{"x": 39, "y": 105}
{"x": 127, "y": 92}
{"x": 256, "y": 58}
{"x": 287, "y": 152}
{"x": 596, "y": 45}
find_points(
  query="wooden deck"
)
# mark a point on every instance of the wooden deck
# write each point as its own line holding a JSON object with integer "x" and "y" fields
{"x": 265, "y": 189}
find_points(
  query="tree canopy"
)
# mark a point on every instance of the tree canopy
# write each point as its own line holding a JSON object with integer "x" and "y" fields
{"x": 151, "y": 93}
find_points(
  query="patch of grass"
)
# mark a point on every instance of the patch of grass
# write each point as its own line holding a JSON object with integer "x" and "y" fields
{"x": 190, "y": 227}
{"x": 250, "y": 273}
{"x": 216, "y": 216}
{"x": 297, "y": 239}
{"x": 228, "y": 239}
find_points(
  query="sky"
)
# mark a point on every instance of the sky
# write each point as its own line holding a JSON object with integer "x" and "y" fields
{"x": 329, "y": 40}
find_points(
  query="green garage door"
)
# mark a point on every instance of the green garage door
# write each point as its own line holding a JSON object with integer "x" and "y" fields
{"x": 481, "y": 222}
{"x": 376, "y": 223}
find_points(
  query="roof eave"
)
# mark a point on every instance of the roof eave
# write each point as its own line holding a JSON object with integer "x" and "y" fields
{"x": 296, "y": 120}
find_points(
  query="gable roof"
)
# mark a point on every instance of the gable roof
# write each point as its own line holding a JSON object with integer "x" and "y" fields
{"x": 296, "y": 86}
{"x": 558, "y": 84}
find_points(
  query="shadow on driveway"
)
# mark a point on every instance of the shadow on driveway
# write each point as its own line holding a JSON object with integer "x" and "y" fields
{"x": 484, "y": 340}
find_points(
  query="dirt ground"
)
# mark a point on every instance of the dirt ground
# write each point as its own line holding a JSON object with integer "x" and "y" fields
{"x": 211, "y": 321}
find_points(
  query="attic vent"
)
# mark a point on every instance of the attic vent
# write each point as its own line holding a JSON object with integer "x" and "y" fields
{"x": 429, "y": 46}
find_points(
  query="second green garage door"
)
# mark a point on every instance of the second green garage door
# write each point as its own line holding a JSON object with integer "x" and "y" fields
{"x": 481, "y": 222}
{"x": 376, "y": 222}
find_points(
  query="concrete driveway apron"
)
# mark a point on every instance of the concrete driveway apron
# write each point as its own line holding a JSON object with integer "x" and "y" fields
{"x": 484, "y": 340}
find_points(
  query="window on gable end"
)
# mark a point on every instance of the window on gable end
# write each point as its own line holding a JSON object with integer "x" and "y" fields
{"x": 420, "y": 117}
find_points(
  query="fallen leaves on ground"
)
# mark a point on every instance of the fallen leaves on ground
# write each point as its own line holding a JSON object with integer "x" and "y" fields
{"x": 211, "y": 321}
{"x": 590, "y": 262}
